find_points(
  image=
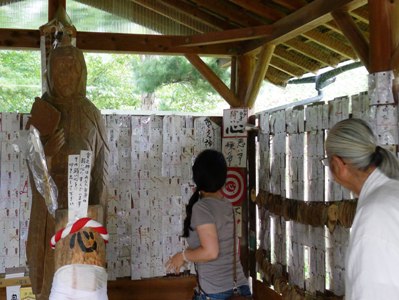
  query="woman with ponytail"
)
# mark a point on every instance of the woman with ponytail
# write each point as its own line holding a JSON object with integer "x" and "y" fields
{"x": 370, "y": 171}
{"x": 209, "y": 229}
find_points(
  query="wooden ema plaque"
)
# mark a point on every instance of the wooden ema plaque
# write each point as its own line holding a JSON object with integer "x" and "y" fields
{"x": 82, "y": 247}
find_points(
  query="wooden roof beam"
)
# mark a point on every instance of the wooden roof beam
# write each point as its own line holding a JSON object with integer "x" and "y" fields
{"x": 259, "y": 75}
{"x": 310, "y": 16}
{"x": 117, "y": 43}
{"x": 227, "y": 36}
{"x": 214, "y": 80}
{"x": 306, "y": 18}
{"x": 354, "y": 35}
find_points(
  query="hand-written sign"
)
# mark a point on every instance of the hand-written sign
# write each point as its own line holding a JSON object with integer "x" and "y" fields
{"x": 234, "y": 122}
{"x": 79, "y": 167}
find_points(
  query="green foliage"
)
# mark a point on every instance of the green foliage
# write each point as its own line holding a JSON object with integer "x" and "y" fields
{"x": 183, "y": 97}
{"x": 178, "y": 86}
{"x": 114, "y": 82}
{"x": 110, "y": 81}
{"x": 19, "y": 80}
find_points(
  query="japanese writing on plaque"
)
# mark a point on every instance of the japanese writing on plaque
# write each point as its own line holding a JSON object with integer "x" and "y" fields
{"x": 73, "y": 186}
{"x": 235, "y": 152}
{"x": 206, "y": 134}
{"x": 84, "y": 180}
{"x": 79, "y": 167}
{"x": 234, "y": 121}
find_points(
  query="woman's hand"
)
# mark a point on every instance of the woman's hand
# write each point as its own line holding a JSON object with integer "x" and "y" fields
{"x": 175, "y": 263}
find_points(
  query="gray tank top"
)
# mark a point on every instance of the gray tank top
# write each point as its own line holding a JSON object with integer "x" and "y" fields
{"x": 217, "y": 275}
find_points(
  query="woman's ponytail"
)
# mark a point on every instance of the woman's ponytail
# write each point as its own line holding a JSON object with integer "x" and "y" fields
{"x": 189, "y": 210}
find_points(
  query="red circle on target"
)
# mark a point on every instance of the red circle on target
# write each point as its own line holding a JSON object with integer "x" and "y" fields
{"x": 235, "y": 188}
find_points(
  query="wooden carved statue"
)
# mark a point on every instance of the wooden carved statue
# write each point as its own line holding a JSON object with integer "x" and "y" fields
{"x": 68, "y": 122}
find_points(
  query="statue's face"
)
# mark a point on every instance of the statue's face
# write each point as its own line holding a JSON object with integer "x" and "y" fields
{"x": 65, "y": 75}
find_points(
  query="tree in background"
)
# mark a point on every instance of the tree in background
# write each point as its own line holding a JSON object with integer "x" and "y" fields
{"x": 19, "y": 80}
{"x": 115, "y": 81}
{"x": 176, "y": 84}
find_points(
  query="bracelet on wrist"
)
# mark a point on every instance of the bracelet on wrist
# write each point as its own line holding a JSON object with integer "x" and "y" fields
{"x": 184, "y": 256}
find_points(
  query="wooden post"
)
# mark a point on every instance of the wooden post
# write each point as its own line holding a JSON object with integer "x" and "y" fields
{"x": 85, "y": 246}
{"x": 395, "y": 37}
{"x": 245, "y": 69}
{"x": 380, "y": 35}
{"x": 53, "y": 6}
{"x": 259, "y": 74}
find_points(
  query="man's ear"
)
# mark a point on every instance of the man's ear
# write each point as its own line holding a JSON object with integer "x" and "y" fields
{"x": 338, "y": 165}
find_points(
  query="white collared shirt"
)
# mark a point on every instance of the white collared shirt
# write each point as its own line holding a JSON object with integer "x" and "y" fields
{"x": 372, "y": 262}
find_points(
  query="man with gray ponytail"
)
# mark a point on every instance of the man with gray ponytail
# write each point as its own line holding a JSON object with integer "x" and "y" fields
{"x": 358, "y": 163}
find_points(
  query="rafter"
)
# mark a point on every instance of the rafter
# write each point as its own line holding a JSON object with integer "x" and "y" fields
{"x": 228, "y": 36}
{"x": 354, "y": 35}
{"x": 214, "y": 80}
{"x": 228, "y": 12}
{"x": 197, "y": 14}
{"x": 291, "y": 4}
{"x": 175, "y": 15}
{"x": 260, "y": 9}
{"x": 308, "y": 17}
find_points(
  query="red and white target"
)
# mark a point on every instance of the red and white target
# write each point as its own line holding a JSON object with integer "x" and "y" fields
{"x": 236, "y": 185}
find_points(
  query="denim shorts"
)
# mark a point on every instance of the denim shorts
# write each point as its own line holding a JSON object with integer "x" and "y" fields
{"x": 243, "y": 290}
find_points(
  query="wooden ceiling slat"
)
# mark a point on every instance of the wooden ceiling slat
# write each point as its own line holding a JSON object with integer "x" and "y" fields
{"x": 361, "y": 13}
{"x": 288, "y": 68}
{"x": 260, "y": 9}
{"x": 330, "y": 43}
{"x": 173, "y": 14}
{"x": 297, "y": 59}
{"x": 131, "y": 11}
{"x": 312, "y": 52}
{"x": 229, "y": 12}
{"x": 291, "y": 4}
{"x": 195, "y": 13}
{"x": 277, "y": 77}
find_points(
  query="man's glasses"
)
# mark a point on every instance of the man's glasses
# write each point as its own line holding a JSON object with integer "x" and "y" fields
{"x": 324, "y": 161}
